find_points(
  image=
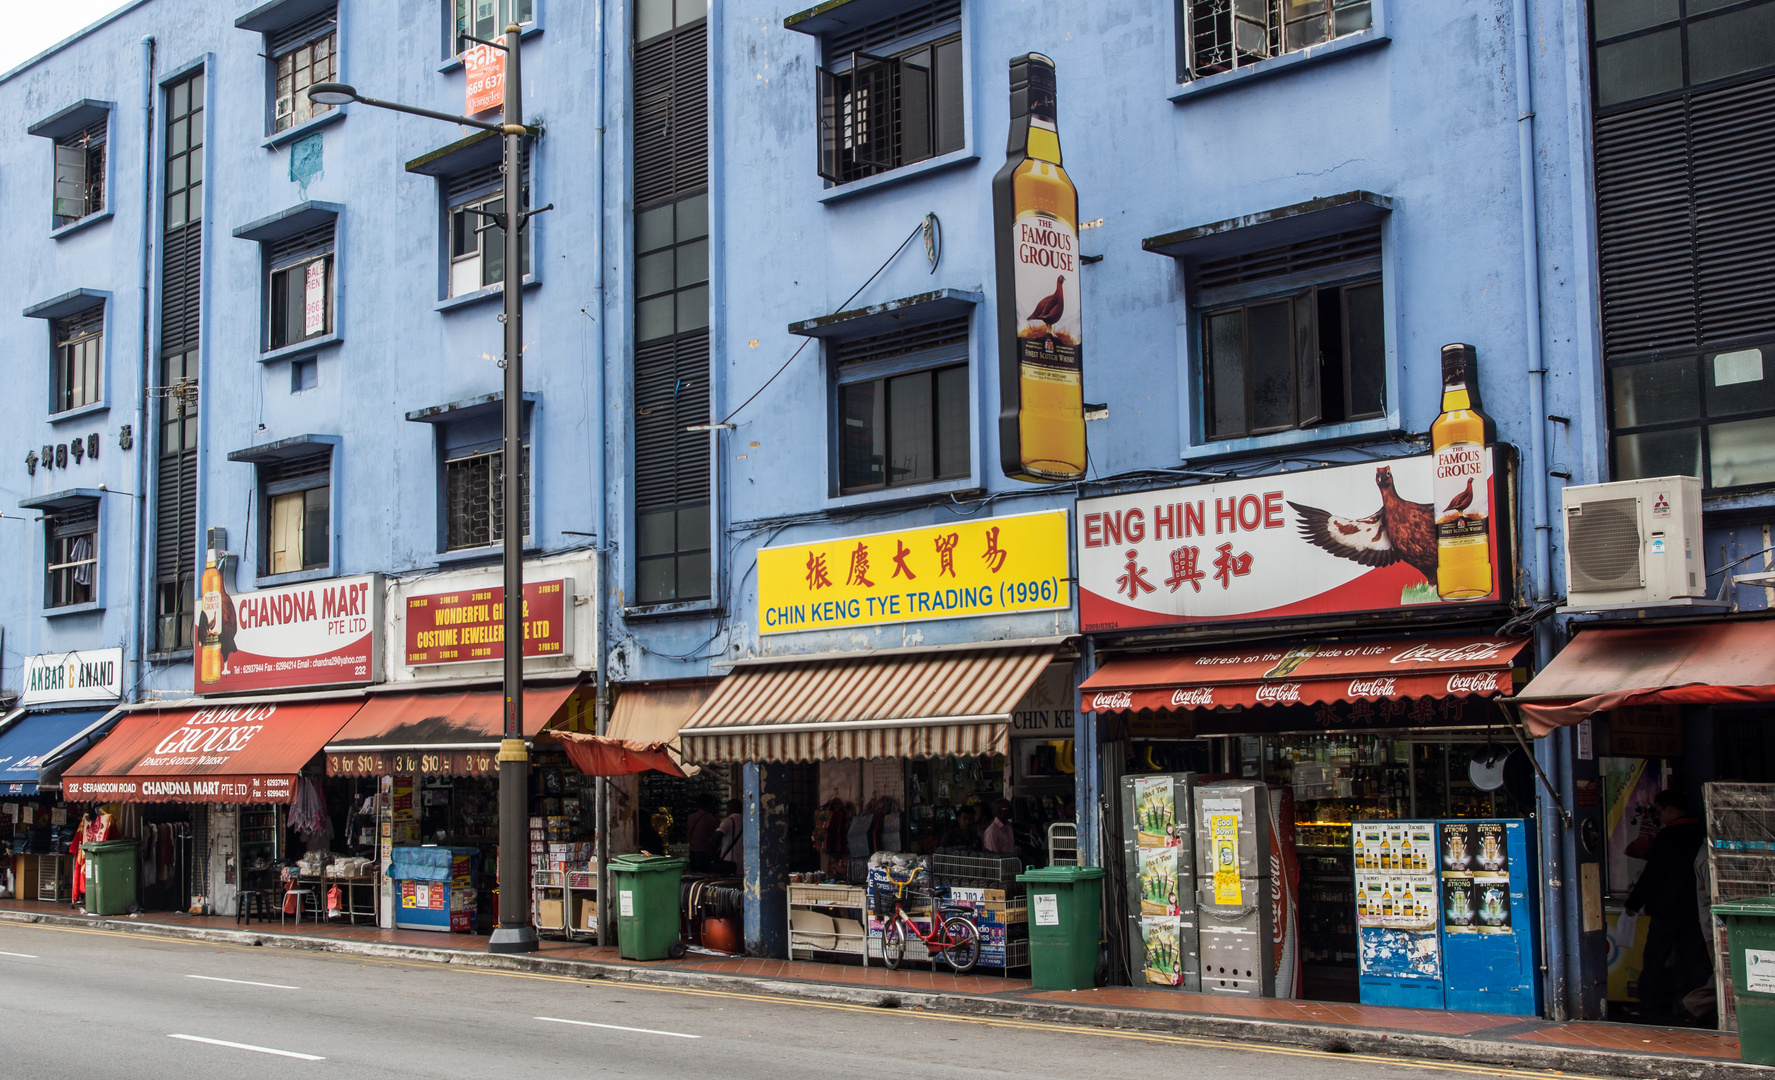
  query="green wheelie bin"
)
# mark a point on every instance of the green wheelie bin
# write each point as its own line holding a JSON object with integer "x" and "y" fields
{"x": 1065, "y": 922}
{"x": 1750, "y": 932}
{"x": 111, "y": 876}
{"x": 646, "y": 888}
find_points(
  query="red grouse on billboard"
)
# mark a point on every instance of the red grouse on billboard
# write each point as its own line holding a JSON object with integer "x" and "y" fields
{"x": 324, "y": 633}
{"x": 1345, "y": 539}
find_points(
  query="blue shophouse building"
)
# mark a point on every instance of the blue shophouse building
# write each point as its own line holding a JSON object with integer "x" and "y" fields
{"x": 763, "y": 382}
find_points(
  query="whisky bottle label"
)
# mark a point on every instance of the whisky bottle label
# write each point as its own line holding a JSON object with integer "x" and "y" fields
{"x": 1463, "y": 499}
{"x": 212, "y": 616}
{"x": 1050, "y": 342}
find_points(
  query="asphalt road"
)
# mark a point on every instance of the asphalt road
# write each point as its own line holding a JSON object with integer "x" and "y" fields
{"x": 96, "y": 1004}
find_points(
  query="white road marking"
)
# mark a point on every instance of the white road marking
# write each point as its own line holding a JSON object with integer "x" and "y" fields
{"x": 618, "y": 1027}
{"x": 20, "y": 955}
{"x": 247, "y": 1046}
{"x": 242, "y": 982}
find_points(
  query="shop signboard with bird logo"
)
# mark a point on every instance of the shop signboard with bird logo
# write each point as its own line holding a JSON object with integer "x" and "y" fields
{"x": 319, "y": 633}
{"x": 1359, "y": 538}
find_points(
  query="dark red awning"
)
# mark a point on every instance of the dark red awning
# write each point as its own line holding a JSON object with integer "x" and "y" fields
{"x": 1725, "y": 663}
{"x": 1305, "y": 674}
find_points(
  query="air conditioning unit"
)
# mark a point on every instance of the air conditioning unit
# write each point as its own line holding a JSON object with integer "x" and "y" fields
{"x": 1634, "y": 543}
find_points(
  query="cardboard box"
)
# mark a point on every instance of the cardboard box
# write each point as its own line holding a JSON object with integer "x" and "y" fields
{"x": 548, "y": 914}
{"x": 585, "y": 913}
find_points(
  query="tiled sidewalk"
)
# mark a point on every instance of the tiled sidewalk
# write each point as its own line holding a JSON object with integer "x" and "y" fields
{"x": 1620, "y": 1038}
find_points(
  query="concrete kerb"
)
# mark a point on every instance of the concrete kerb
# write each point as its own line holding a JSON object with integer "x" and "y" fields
{"x": 1640, "y": 1066}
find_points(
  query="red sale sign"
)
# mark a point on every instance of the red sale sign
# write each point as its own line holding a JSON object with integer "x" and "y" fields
{"x": 485, "y": 67}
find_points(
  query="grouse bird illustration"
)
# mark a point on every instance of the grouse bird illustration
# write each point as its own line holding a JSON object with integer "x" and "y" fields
{"x": 229, "y": 625}
{"x": 1462, "y": 500}
{"x": 1052, "y": 306}
{"x": 1400, "y": 531}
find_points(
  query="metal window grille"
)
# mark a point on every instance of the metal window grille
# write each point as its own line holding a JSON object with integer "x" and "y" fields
{"x": 877, "y": 35}
{"x": 474, "y": 498}
{"x": 1221, "y": 35}
{"x": 946, "y": 334}
{"x": 314, "y": 61}
{"x": 1326, "y": 253}
{"x": 487, "y": 19}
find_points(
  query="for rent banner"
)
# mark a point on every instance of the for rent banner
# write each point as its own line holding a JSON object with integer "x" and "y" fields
{"x": 1350, "y": 538}
{"x": 978, "y": 566}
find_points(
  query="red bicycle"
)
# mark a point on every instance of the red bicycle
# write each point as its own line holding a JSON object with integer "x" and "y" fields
{"x": 953, "y": 936}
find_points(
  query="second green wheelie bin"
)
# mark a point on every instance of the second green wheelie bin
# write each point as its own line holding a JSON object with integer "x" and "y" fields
{"x": 1065, "y": 922}
{"x": 646, "y": 888}
{"x": 1750, "y": 933}
{"x": 111, "y": 876}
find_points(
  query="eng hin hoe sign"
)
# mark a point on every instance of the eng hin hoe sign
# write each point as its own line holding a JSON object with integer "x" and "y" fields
{"x": 1350, "y": 538}
{"x": 980, "y": 566}
{"x": 322, "y": 633}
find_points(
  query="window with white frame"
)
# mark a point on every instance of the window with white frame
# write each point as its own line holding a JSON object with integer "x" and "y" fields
{"x": 80, "y": 174}
{"x": 71, "y": 555}
{"x": 477, "y": 240}
{"x": 1216, "y": 36}
{"x": 1292, "y": 337}
{"x": 299, "y": 287}
{"x": 296, "y": 494}
{"x": 77, "y": 345}
{"x": 302, "y": 54}
{"x": 902, "y": 406}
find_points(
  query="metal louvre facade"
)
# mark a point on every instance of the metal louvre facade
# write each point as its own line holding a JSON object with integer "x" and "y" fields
{"x": 915, "y": 705}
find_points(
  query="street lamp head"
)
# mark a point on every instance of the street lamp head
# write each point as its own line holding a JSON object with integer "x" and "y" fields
{"x": 331, "y": 93}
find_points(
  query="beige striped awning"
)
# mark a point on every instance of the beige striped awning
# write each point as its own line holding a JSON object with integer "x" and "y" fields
{"x": 904, "y": 704}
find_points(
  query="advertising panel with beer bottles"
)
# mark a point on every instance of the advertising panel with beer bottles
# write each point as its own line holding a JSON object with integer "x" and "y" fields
{"x": 1041, "y": 331}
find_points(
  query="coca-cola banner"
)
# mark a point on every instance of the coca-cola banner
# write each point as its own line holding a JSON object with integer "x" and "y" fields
{"x": 321, "y": 633}
{"x": 1350, "y": 538}
{"x": 1306, "y": 674}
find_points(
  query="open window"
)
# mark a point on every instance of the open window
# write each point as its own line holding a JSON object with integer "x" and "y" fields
{"x": 891, "y": 91}
{"x": 1217, "y": 36}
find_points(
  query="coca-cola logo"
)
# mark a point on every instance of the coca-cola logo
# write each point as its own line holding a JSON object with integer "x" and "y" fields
{"x": 1478, "y": 682}
{"x": 1194, "y": 698}
{"x": 1454, "y": 654}
{"x": 1360, "y": 688}
{"x": 1122, "y": 699}
{"x": 1279, "y": 692}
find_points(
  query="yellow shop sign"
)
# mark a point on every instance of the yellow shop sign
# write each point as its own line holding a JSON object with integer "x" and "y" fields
{"x": 981, "y": 566}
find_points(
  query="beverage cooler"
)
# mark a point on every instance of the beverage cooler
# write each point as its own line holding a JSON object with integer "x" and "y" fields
{"x": 434, "y": 888}
{"x": 1159, "y": 853}
{"x": 1236, "y": 909}
{"x": 1445, "y": 911}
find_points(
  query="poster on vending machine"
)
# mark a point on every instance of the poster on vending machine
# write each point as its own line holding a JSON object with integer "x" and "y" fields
{"x": 1155, "y": 813}
{"x": 1163, "y": 937}
{"x": 1475, "y": 878}
{"x": 1158, "y": 881}
{"x": 1223, "y": 835}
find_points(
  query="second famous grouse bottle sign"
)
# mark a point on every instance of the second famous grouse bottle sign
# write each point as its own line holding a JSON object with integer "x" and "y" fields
{"x": 1040, "y": 329}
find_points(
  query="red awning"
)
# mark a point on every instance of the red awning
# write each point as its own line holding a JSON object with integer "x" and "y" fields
{"x": 1305, "y": 674}
{"x": 603, "y": 756}
{"x": 220, "y": 753}
{"x": 1725, "y": 663}
{"x": 453, "y": 733}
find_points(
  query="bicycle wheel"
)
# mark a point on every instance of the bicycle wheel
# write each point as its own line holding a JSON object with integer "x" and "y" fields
{"x": 893, "y": 944}
{"x": 964, "y": 953}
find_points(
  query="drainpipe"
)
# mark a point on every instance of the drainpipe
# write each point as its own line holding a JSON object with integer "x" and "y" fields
{"x": 602, "y": 652}
{"x": 1557, "y": 899}
{"x": 143, "y": 441}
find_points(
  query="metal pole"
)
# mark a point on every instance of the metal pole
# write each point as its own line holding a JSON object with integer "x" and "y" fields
{"x": 514, "y": 932}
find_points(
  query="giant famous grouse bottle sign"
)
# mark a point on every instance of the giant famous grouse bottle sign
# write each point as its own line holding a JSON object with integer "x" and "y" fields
{"x": 1041, "y": 331}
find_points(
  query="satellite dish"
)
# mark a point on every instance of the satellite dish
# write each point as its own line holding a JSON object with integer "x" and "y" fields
{"x": 1487, "y": 768}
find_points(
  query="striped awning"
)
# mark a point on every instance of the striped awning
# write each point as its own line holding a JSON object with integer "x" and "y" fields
{"x": 905, "y": 704}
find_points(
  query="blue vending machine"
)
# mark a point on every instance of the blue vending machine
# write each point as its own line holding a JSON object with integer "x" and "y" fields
{"x": 1398, "y": 913}
{"x": 1490, "y": 947}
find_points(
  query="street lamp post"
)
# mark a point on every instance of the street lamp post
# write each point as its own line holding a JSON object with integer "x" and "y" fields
{"x": 514, "y": 932}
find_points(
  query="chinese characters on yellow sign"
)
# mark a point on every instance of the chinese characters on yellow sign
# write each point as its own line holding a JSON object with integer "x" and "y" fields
{"x": 979, "y": 566}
